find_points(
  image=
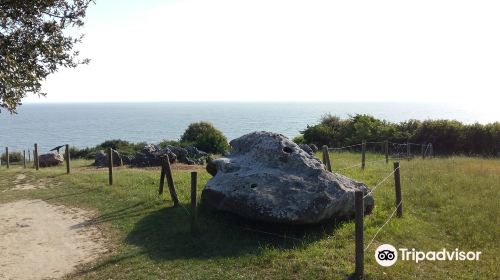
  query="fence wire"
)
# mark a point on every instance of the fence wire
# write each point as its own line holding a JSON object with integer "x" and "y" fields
{"x": 380, "y": 228}
{"x": 345, "y": 147}
{"x": 349, "y": 167}
{"x": 392, "y": 214}
{"x": 380, "y": 183}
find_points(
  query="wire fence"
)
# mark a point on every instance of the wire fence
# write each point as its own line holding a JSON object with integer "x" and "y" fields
{"x": 345, "y": 147}
{"x": 380, "y": 183}
{"x": 398, "y": 151}
{"x": 383, "y": 225}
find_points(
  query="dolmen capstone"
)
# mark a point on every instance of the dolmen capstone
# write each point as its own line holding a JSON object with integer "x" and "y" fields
{"x": 267, "y": 177}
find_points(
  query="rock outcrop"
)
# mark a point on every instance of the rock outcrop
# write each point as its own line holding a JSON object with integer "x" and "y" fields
{"x": 267, "y": 177}
{"x": 101, "y": 159}
{"x": 306, "y": 149}
{"x": 151, "y": 155}
{"x": 189, "y": 155}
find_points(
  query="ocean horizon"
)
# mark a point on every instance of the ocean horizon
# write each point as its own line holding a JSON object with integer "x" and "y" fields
{"x": 88, "y": 124}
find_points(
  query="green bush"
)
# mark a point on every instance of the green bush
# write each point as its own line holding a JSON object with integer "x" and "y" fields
{"x": 86, "y": 153}
{"x": 447, "y": 136}
{"x": 205, "y": 137}
{"x": 298, "y": 139}
{"x": 166, "y": 143}
{"x": 122, "y": 146}
{"x": 13, "y": 157}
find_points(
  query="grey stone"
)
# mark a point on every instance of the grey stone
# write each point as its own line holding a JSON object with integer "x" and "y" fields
{"x": 189, "y": 155}
{"x": 127, "y": 160}
{"x": 313, "y": 147}
{"x": 101, "y": 159}
{"x": 50, "y": 159}
{"x": 306, "y": 148}
{"x": 151, "y": 155}
{"x": 267, "y": 177}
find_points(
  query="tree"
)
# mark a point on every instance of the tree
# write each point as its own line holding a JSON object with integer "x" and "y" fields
{"x": 34, "y": 44}
{"x": 205, "y": 137}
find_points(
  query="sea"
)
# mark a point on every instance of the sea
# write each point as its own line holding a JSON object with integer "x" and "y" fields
{"x": 88, "y": 124}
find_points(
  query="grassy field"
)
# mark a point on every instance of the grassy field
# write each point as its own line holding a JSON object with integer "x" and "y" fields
{"x": 448, "y": 203}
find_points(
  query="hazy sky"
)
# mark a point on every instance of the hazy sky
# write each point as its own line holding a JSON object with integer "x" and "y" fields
{"x": 286, "y": 50}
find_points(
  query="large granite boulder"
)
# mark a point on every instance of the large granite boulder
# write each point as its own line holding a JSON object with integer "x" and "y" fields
{"x": 101, "y": 159}
{"x": 269, "y": 178}
{"x": 50, "y": 159}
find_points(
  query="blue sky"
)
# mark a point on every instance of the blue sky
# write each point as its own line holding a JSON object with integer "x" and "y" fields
{"x": 286, "y": 50}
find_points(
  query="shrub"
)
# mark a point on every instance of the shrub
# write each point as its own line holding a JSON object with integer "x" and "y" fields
{"x": 13, "y": 157}
{"x": 86, "y": 153}
{"x": 447, "y": 136}
{"x": 166, "y": 143}
{"x": 122, "y": 146}
{"x": 298, "y": 139}
{"x": 206, "y": 137}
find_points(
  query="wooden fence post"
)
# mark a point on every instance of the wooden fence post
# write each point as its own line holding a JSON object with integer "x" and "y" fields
{"x": 24, "y": 158}
{"x": 110, "y": 166}
{"x": 194, "y": 214}
{"x": 35, "y": 157}
{"x": 7, "y": 156}
{"x": 408, "y": 150}
{"x": 68, "y": 158}
{"x": 423, "y": 151}
{"x": 363, "y": 151}
{"x": 359, "y": 228}
{"x": 162, "y": 177}
{"x": 397, "y": 185}
{"x": 326, "y": 158}
{"x": 387, "y": 151}
{"x": 29, "y": 156}
{"x": 170, "y": 180}
{"x": 431, "y": 150}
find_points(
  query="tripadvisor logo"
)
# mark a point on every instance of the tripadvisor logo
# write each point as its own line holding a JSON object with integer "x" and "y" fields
{"x": 387, "y": 255}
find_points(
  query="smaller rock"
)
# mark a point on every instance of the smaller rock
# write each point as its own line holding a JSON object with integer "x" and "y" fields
{"x": 172, "y": 157}
{"x": 313, "y": 147}
{"x": 189, "y": 155}
{"x": 126, "y": 159}
{"x": 147, "y": 156}
{"x": 50, "y": 159}
{"x": 306, "y": 149}
{"x": 151, "y": 155}
{"x": 101, "y": 159}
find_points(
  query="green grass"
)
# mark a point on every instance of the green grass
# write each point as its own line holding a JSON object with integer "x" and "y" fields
{"x": 448, "y": 203}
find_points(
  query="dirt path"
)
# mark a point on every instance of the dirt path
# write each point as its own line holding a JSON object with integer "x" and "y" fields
{"x": 23, "y": 182}
{"x": 39, "y": 240}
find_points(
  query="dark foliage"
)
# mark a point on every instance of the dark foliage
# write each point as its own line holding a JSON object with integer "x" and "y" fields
{"x": 447, "y": 136}
{"x": 13, "y": 157}
{"x": 34, "y": 44}
{"x": 122, "y": 146}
